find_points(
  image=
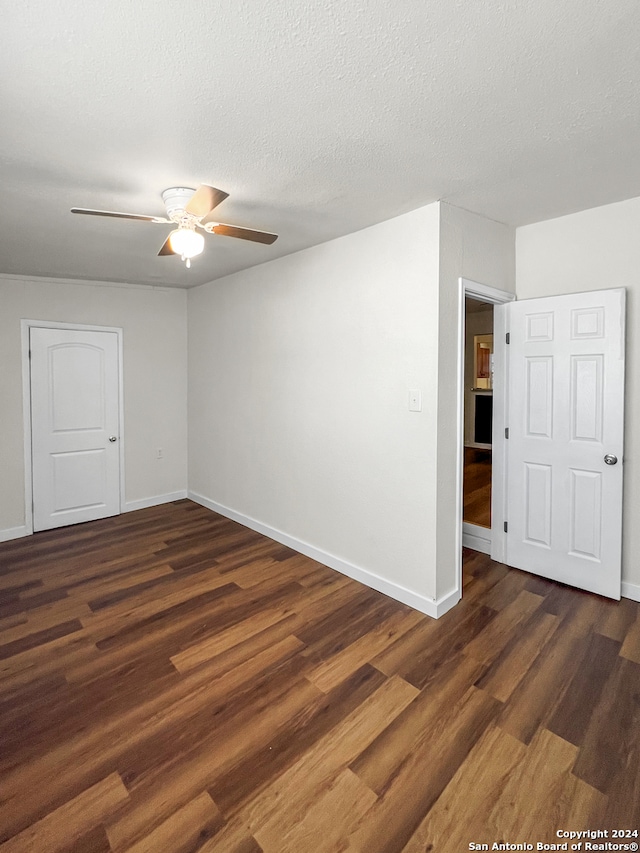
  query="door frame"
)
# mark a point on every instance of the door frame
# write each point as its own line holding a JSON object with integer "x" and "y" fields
{"x": 496, "y": 535}
{"x": 26, "y": 326}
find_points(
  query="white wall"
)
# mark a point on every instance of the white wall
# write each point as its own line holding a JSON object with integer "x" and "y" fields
{"x": 298, "y": 398}
{"x": 155, "y": 379}
{"x": 483, "y": 251}
{"x": 592, "y": 250}
{"x": 299, "y": 375}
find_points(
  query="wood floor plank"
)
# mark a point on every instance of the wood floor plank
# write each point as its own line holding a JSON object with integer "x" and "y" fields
{"x": 615, "y": 619}
{"x": 623, "y": 800}
{"x": 40, "y": 661}
{"x": 540, "y": 690}
{"x": 300, "y": 785}
{"x": 346, "y": 624}
{"x": 453, "y": 633}
{"x": 393, "y": 819}
{"x": 12, "y": 591}
{"x": 545, "y": 684}
{"x": 475, "y": 586}
{"x": 582, "y": 696}
{"x": 39, "y": 638}
{"x": 323, "y": 823}
{"x": 60, "y": 717}
{"x": 401, "y": 653}
{"x": 477, "y": 486}
{"x": 545, "y": 776}
{"x": 379, "y": 763}
{"x": 115, "y": 625}
{"x": 257, "y": 769}
{"x": 231, "y": 839}
{"x": 466, "y": 810}
{"x": 499, "y": 772}
{"x": 12, "y": 621}
{"x": 149, "y": 579}
{"x": 512, "y": 664}
{"x": 157, "y": 783}
{"x": 252, "y": 572}
{"x": 48, "y": 617}
{"x": 117, "y": 736}
{"x": 489, "y": 643}
{"x": 20, "y": 604}
{"x": 119, "y": 572}
{"x": 631, "y": 645}
{"x": 339, "y": 666}
{"x": 183, "y": 832}
{"x": 506, "y": 590}
{"x": 94, "y": 841}
{"x": 65, "y": 768}
{"x": 227, "y": 695}
{"x": 221, "y": 642}
{"x": 610, "y": 752}
{"x": 73, "y": 819}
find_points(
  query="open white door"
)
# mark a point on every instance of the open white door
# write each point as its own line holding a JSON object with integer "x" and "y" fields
{"x": 565, "y": 363}
{"x": 74, "y": 426}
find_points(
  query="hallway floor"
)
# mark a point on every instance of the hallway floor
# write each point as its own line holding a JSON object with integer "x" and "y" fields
{"x": 477, "y": 487}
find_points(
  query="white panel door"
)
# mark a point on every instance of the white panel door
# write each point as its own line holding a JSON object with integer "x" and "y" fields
{"x": 74, "y": 426}
{"x": 564, "y": 453}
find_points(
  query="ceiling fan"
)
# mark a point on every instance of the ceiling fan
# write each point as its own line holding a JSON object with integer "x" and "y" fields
{"x": 189, "y": 209}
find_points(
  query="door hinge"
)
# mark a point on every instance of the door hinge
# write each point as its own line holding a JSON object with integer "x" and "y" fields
{"x": 506, "y": 432}
{"x": 508, "y": 337}
{"x": 506, "y": 525}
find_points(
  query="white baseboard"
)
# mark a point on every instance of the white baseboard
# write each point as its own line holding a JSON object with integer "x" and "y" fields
{"x": 631, "y": 590}
{"x": 477, "y": 538}
{"x": 446, "y": 602}
{"x": 425, "y": 605}
{"x": 476, "y": 543}
{"x": 131, "y": 506}
{"x": 18, "y": 532}
{"x": 14, "y": 533}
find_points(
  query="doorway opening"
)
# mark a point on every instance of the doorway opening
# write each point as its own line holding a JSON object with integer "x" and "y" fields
{"x": 478, "y": 421}
{"x": 481, "y": 439}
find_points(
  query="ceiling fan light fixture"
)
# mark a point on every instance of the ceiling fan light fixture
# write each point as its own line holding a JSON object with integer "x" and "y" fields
{"x": 188, "y": 209}
{"x": 186, "y": 242}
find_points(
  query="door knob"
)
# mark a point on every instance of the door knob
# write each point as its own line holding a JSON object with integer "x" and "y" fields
{"x": 610, "y": 459}
{"x": 113, "y": 438}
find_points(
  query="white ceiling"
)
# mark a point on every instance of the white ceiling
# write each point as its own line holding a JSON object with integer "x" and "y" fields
{"x": 317, "y": 118}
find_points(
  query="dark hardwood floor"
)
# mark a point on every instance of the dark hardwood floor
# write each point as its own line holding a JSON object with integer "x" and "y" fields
{"x": 476, "y": 498}
{"x": 171, "y": 681}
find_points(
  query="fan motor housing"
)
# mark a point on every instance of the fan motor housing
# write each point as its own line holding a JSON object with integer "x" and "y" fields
{"x": 176, "y": 199}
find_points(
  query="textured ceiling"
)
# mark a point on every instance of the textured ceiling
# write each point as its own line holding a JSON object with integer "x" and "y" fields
{"x": 317, "y": 118}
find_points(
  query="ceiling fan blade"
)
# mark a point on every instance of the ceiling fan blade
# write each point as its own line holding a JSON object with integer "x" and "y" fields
{"x": 111, "y": 213}
{"x": 204, "y": 200}
{"x": 244, "y": 233}
{"x": 166, "y": 248}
